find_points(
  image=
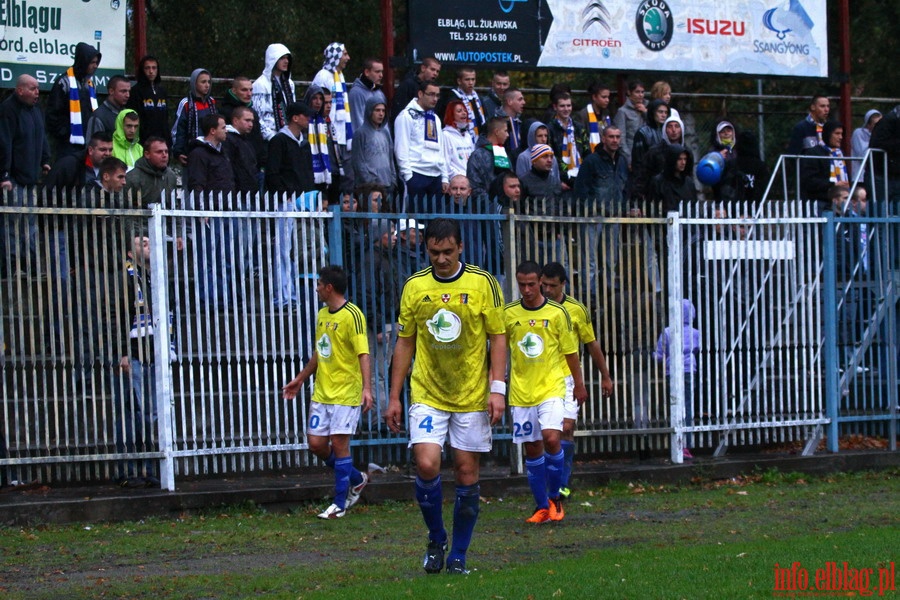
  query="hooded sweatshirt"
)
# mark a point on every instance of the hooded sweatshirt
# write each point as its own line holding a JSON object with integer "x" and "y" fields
{"x": 58, "y": 107}
{"x": 127, "y": 152}
{"x": 373, "y": 155}
{"x": 360, "y": 93}
{"x": 690, "y": 341}
{"x": 523, "y": 163}
{"x": 148, "y": 98}
{"x": 271, "y": 97}
{"x": 654, "y": 162}
{"x": 190, "y": 111}
{"x": 671, "y": 187}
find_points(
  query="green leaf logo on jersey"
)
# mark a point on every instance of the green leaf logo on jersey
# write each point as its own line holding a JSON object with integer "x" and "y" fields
{"x": 531, "y": 345}
{"x": 323, "y": 346}
{"x": 445, "y": 326}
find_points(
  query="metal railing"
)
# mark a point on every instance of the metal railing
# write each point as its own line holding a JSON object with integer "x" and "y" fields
{"x": 233, "y": 308}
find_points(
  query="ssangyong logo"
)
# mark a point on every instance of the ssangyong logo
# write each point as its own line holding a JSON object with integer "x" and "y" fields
{"x": 654, "y": 24}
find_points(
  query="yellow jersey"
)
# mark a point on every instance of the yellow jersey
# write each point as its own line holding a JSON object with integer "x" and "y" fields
{"x": 539, "y": 339}
{"x": 340, "y": 340}
{"x": 451, "y": 320}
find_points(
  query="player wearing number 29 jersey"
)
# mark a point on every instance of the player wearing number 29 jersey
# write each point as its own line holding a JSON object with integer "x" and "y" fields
{"x": 451, "y": 319}
{"x": 539, "y": 339}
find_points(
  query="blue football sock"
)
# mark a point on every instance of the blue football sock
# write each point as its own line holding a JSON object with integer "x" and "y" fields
{"x": 568, "y": 449}
{"x": 342, "y": 468}
{"x": 355, "y": 476}
{"x": 555, "y": 465}
{"x": 329, "y": 462}
{"x": 465, "y": 515}
{"x": 537, "y": 479}
{"x": 429, "y": 496}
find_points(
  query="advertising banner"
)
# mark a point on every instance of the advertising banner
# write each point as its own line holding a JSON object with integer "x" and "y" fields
{"x": 756, "y": 37}
{"x": 38, "y": 37}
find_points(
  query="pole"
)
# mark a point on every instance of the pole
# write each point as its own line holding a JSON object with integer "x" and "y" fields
{"x": 846, "y": 114}
{"x": 140, "y": 33}
{"x": 387, "y": 48}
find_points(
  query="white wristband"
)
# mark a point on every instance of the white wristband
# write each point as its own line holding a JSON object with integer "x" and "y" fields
{"x": 498, "y": 387}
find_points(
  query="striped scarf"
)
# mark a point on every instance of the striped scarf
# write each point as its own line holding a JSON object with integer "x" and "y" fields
{"x": 475, "y": 110}
{"x": 76, "y": 129}
{"x": 340, "y": 112}
{"x": 193, "y": 108}
{"x": 570, "y": 157}
{"x": 281, "y": 97}
{"x": 838, "y": 167}
{"x": 318, "y": 142}
{"x": 594, "y": 126}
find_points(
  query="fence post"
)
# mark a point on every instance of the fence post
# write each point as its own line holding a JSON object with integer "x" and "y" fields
{"x": 162, "y": 343}
{"x": 336, "y": 249}
{"x": 676, "y": 335}
{"x": 829, "y": 322}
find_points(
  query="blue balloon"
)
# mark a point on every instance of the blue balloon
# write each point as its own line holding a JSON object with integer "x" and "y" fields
{"x": 710, "y": 168}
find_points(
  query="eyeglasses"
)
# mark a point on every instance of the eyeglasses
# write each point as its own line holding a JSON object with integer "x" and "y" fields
{"x": 432, "y": 94}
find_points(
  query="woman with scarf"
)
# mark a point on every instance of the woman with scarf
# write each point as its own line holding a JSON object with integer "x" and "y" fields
{"x": 456, "y": 143}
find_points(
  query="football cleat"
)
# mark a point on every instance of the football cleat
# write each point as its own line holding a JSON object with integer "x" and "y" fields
{"x": 541, "y": 515}
{"x": 332, "y": 512}
{"x": 457, "y": 566}
{"x": 565, "y": 492}
{"x": 355, "y": 491}
{"x": 434, "y": 557}
{"x": 556, "y": 509}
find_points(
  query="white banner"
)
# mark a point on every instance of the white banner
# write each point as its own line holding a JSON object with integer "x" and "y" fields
{"x": 778, "y": 37}
{"x": 38, "y": 37}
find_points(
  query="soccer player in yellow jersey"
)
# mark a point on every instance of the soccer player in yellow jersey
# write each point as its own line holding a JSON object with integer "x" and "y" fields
{"x": 543, "y": 349}
{"x": 343, "y": 387}
{"x": 448, "y": 314}
{"x": 553, "y": 284}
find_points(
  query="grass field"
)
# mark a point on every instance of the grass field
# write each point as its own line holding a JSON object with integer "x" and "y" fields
{"x": 710, "y": 539}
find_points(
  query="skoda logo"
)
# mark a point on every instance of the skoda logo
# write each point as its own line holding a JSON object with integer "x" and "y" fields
{"x": 654, "y": 24}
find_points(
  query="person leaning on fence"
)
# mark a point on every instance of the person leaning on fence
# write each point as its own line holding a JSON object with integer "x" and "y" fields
{"x": 289, "y": 177}
{"x": 24, "y": 157}
{"x": 543, "y": 350}
{"x": 135, "y": 383}
{"x": 553, "y": 286}
{"x": 72, "y": 101}
{"x": 417, "y": 147}
{"x": 342, "y": 389}
{"x": 818, "y": 175}
{"x": 448, "y": 313}
{"x": 152, "y": 176}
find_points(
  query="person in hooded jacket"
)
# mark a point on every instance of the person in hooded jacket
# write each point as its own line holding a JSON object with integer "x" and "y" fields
{"x": 675, "y": 183}
{"x": 274, "y": 90}
{"x": 724, "y": 141}
{"x": 148, "y": 100}
{"x": 538, "y": 133}
{"x": 126, "y": 146}
{"x": 647, "y": 137}
{"x": 191, "y": 110}
{"x": 654, "y": 161}
{"x": 373, "y": 159}
{"x": 754, "y": 172}
{"x": 73, "y": 99}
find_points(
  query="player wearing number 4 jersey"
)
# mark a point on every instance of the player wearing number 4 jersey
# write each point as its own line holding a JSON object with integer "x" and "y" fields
{"x": 553, "y": 286}
{"x": 448, "y": 313}
{"x": 341, "y": 364}
{"x": 541, "y": 343}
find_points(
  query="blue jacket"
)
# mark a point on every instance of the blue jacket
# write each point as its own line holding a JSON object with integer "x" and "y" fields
{"x": 602, "y": 177}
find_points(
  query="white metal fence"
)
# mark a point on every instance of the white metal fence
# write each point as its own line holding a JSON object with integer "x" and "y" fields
{"x": 233, "y": 302}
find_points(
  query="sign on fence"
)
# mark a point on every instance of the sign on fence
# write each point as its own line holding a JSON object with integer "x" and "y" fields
{"x": 39, "y": 37}
{"x": 724, "y": 36}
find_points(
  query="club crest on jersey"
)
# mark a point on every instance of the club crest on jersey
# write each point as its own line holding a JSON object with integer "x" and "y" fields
{"x": 445, "y": 298}
{"x": 463, "y": 298}
{"x": 531, "y": 323}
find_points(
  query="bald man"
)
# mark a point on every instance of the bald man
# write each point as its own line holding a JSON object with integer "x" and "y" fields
{"x": 25, "y": 155}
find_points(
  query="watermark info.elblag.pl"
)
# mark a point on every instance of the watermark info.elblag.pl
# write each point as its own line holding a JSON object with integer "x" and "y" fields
{"x": 833, "y": 579}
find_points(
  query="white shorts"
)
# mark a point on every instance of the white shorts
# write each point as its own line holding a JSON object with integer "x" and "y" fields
{"x": 530, "y": 421}
{"x": 332, "y": 419}
{"x": 470, "y": 431}
{"x": 570, "y": 404}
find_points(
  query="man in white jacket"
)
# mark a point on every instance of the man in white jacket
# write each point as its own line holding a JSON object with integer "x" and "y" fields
{"x": 417, "y": 146}
{"x": 273, "y": 91}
